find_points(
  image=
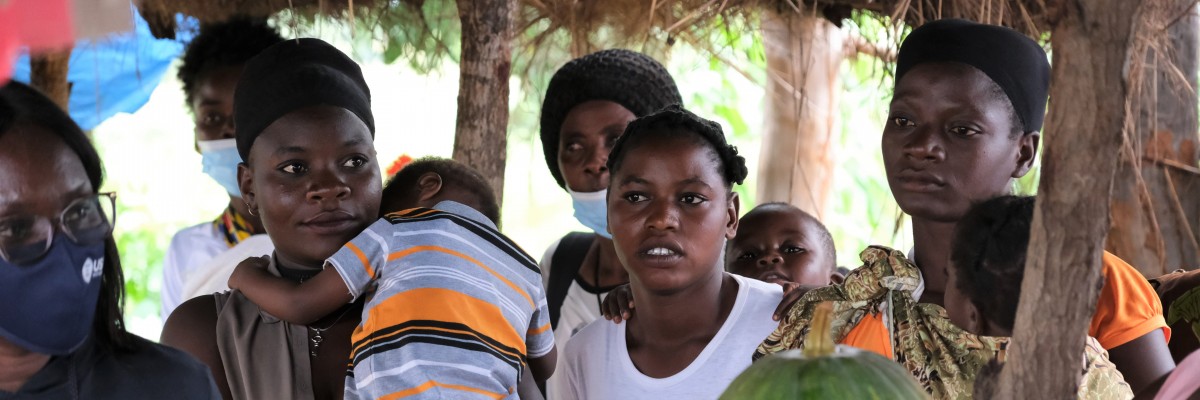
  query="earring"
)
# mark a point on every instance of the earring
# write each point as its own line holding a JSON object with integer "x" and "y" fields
{"x": 250, "y": 210}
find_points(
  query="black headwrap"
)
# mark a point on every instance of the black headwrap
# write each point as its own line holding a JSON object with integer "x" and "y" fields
{"x": 295, "y": 74}
{"x": 1014, "y": 61}
{"x": 631, "y": 79}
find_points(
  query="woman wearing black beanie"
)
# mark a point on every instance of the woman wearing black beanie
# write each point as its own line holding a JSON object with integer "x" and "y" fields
{"x": 587, "y": 105}
{"x": 305, "y": 134}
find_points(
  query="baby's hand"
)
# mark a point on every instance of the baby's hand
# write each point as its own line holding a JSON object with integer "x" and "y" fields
{"x": 252, "y": 266}
{"x": 618, "y": 304}
{"x": 792, "y": 292}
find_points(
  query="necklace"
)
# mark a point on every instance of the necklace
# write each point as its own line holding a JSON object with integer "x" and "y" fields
{"x": 316, "y": 339}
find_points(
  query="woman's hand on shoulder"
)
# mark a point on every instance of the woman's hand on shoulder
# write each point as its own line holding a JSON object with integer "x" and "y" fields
{"x": 618, "y": 304}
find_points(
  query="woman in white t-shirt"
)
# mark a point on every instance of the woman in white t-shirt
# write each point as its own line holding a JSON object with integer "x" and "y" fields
{"x": 670, "y": 211}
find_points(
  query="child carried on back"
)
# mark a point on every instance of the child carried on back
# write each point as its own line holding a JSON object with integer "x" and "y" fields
{"x": 454, "y": 308}
{"x": 984, "y": 287}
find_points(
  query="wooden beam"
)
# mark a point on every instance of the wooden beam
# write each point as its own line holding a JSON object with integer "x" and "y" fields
{"x": 804, "y": 56}
{"x": 48, "y": 73}
{"x": 1148, "y": 230}
{"x": 1093, "y": 42}
{"x": 481, "y": 128}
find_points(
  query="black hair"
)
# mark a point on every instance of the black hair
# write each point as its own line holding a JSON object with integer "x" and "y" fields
{"x": 675, "y": 121}
{"x": 988, "y": 255}
{"x": 400, "y": 190}
{"x": 223, "y": 44}
{"x": 1018, "y": 127}
{"x": 23, "y": 105}
{"x": 824, "y": 239}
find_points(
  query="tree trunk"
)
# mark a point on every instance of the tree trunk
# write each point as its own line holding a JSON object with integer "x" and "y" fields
{"x": 804, "y": 54}
{"x": 48, "y": 73}
{"x": 1091, "y": 40}
{"x": 1156, "y": 217}
{"x": 480, "y": 138}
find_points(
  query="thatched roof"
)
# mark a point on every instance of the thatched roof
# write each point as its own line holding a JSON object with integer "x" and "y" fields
{"x": 636, "y": 21}
{"x": 160, "y": 14}
{"x": 625, "y": 20}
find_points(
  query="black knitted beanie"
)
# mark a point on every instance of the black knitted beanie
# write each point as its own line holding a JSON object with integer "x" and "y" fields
{"x": 295, "y": 74}
{"x": 631, "y": 79}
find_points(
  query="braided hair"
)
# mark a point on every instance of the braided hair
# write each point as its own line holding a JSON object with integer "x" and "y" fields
{"x": 988, "y": 255}
{"x": 675, "y": 121}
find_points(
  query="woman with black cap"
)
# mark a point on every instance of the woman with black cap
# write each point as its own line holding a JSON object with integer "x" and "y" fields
{"x": 965, "y": 117}
{"x": 588, "y": 103}
{"x": 305, "y": 133}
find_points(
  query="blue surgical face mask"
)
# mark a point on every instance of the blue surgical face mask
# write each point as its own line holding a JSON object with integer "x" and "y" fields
{"x": 591, "y": 209}
{"x": 49, "y": 305}
{"x": 220, "y": 159}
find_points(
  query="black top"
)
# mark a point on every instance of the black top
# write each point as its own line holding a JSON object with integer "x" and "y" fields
{"x": 153, "y": 371}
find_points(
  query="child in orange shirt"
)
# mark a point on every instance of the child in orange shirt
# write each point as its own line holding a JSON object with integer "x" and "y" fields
{"x": 983, "y": 288}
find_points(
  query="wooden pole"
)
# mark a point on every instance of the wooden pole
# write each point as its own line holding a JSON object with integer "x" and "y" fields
{"x": 480, "y": 138}
{"x": 804, "y": 55}
{"x": 48, "y": 73}
{"x": 1094, "y": 42}
{"x": 1156, "y": 207}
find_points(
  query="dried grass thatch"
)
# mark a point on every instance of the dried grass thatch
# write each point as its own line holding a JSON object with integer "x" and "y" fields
{"x": 640, "y": 21}
{"x": 160, "y": 14}
{"x": 626, "y": 20}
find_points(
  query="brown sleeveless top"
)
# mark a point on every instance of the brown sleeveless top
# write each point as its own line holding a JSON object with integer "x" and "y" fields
{"x": 264, "y": 357}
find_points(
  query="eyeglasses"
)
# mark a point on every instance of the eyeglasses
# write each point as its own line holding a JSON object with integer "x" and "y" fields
{"x": 89, "y": 220}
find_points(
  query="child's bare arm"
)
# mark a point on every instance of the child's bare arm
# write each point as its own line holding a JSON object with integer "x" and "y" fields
{"x": 297, "y": 303}
{"x": 542, "y": 367}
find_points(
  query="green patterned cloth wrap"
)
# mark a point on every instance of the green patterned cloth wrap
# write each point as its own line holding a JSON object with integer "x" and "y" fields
{"x": 942, "y": 357}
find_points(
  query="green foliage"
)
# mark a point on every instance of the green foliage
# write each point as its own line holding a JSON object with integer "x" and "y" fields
{"x": 142, "y": 251}
{"x": 422, "y": 33}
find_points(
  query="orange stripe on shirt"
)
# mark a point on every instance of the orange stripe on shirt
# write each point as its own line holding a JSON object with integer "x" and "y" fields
{"x": 363, "y": 258}
{"x": 539, "y": 330}
{"x": 376, "y": 339}
{"x": 437, "y": 304}
{"x": 416, "y": 249}
{"x": 431, "y": 384}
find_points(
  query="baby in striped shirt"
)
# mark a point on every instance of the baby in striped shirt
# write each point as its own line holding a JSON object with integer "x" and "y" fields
{"x": 454, "y": 308}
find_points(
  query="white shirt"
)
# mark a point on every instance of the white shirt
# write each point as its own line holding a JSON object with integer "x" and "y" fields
{"x": 596, "y": 363}
{"x": 579, "y": 308}
{"x": 190, "y": 248}
{"x": 213, "y": 275}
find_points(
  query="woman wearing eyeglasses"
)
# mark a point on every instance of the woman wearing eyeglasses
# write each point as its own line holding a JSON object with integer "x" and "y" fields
{"x": 62, "y": 334}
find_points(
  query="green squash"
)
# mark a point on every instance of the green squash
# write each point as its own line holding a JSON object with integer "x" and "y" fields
{"x": 824, "y": 371}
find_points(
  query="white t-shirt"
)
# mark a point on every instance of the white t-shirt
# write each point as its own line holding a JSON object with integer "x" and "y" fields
{"x": 580, "y": 307}
{"x": 190, "y": 248}
{"x": 213, "y": 276}
{"x": 596, "y": 363}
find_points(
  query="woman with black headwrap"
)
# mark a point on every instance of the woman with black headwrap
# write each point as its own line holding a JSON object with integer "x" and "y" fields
{"x": 588, "y": 104}
{"x": 965, "y": 117}
{"x": 305, "y": 134}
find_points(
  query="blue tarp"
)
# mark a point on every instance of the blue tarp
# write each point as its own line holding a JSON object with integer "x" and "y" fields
{"x": 115, "y": 74}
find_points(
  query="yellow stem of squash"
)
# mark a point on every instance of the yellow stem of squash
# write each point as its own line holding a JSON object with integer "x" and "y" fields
{"x": 819, "y": 341}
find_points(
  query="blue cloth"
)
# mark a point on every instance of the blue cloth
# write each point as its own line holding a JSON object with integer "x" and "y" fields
{"x": 116, "y": 74}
